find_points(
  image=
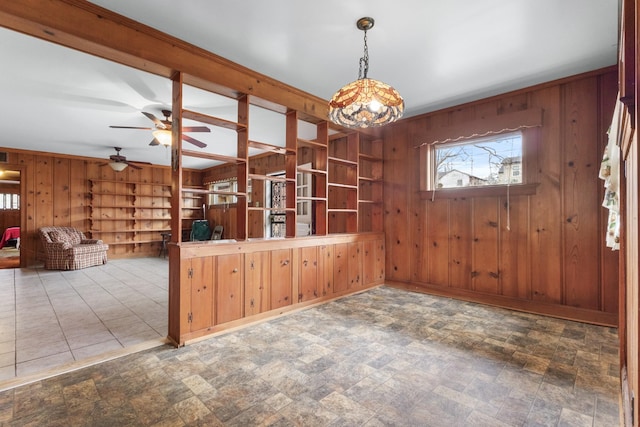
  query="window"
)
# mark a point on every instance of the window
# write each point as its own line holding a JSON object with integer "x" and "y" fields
{"x": 495, "y": 160}
{"x": 226, "y": 186}
{"x": 9, "y": 201}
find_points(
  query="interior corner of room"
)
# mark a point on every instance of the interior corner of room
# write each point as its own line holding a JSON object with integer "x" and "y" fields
{"x": 257, "y": 205}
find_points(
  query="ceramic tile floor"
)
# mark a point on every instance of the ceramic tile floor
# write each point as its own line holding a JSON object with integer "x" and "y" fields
{"x": 50, "y": 318}
{"x": 384, "y": 357}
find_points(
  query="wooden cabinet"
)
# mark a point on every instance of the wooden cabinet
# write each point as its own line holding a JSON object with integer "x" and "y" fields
{"x": 373, "y": 261}
{"x": 197, "y": 275}
{"x": 256, "y": 283}
{"x": 226, "y": 284}
{"x": 281, "y": 278}
{"x": 229, "y": 289}
{"x": 355, "y": 265}
{"x": 325, "y": 270}
{"x": 308, "y": 274}
{"x": 340, "y": 267}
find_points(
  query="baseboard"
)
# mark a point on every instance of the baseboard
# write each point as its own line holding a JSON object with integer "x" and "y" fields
{"x": 536, "y": 307}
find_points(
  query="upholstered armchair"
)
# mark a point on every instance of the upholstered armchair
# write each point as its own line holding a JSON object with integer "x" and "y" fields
{"x": 67, "y": 248}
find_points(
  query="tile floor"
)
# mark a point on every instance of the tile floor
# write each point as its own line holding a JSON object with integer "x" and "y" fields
{"x": 50, "y": 319}
{"x": 384, "y": 357}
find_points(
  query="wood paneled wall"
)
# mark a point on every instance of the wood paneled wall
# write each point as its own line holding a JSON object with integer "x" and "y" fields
{"x": 553, "y": 259}
{"x": 56, "y": 191}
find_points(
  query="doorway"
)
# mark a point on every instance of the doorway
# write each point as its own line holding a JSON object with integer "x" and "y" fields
{"x": 10, "y": 219}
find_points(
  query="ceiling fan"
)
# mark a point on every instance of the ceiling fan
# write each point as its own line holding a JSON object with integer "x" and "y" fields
{"x": 119, "y": 163}
{"x": 162, "y": 130}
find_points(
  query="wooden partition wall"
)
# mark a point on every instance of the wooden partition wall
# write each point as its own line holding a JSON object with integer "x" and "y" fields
{"x": 217, "y": 285}
{"x": 553, "y": 259}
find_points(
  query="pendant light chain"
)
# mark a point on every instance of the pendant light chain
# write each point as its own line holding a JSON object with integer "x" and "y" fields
{"x": 364, "y": 61}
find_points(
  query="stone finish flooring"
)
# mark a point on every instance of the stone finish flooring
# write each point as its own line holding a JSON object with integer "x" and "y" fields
{"x": 384, "y": 357}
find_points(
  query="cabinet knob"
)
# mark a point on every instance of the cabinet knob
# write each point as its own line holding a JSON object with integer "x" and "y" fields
{"x": 235, "y": 270}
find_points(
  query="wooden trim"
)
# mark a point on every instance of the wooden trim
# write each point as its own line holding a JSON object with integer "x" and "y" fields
{"x": 490, "y": 125}
{"x": 482, "y": 191}
{"x": 223, "y": 247}
{"x": 76, "y": 157}
{"x": 535, "y": 307}
{"x": 626, "y": 405}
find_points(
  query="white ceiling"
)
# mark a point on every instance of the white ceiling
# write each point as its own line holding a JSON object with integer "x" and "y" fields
{"x": 435, "y": 53}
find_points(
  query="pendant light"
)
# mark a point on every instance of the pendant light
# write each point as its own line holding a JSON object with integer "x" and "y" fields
{"x": 118, "y": 166}
{"x": 163, "y": 136}
{"x": 365, "y": 102}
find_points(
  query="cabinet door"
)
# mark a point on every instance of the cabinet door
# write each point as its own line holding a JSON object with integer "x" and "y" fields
{"x": 325, "y": 270}
{"x": 281, "y": 278}
{"x": 308, "y": 283}
{"x": 229, "y": 288}
{"x": 355, "y": 265}
{"x": 368, "y": 262}
{"x": 256, "y": 283}
{"x": 197, "y": 273}
{"x": 340, "y": 267}
{"x": 379, "y": 260}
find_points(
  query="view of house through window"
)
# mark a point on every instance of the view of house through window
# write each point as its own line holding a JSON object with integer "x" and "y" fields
{"x": 495, "y": 160}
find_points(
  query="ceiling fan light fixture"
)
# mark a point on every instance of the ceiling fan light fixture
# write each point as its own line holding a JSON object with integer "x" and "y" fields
{"x": 163, "y": 136}
{"x": 365, "y": 102}
{"x": 118, "y": 166}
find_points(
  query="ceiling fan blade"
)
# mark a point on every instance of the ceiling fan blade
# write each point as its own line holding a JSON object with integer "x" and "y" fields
{"x": 155, "y": 120}
{"x": 154, "y": 142}
{"x": 139, "y": 163}
{"x": 194, "y": 141}
{"x": 196, "y": 129}
{"x": 133, "y": 165}
{"x": 129, "y": 127}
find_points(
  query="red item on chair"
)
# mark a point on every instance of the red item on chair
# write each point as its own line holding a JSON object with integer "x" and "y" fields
{"x": 9, "y": 233}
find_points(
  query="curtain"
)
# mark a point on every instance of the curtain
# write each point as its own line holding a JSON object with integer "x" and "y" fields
{"x": 610, "y": 173}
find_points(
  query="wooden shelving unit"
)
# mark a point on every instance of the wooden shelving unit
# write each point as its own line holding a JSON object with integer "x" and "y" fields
{"x": 129, "y": 212}
{"x": 332, "y": 182}
{"x": 260, "y": 209}
{"x": 343, "y": 184}
{"x": 193, "y": 200}
{"x": 370, "y": 185}
{"x": 311, "y": 177}
{"x": 240, "y": 160}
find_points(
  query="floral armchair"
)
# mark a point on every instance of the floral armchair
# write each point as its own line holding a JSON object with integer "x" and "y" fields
{"x": 67, "y": 248}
